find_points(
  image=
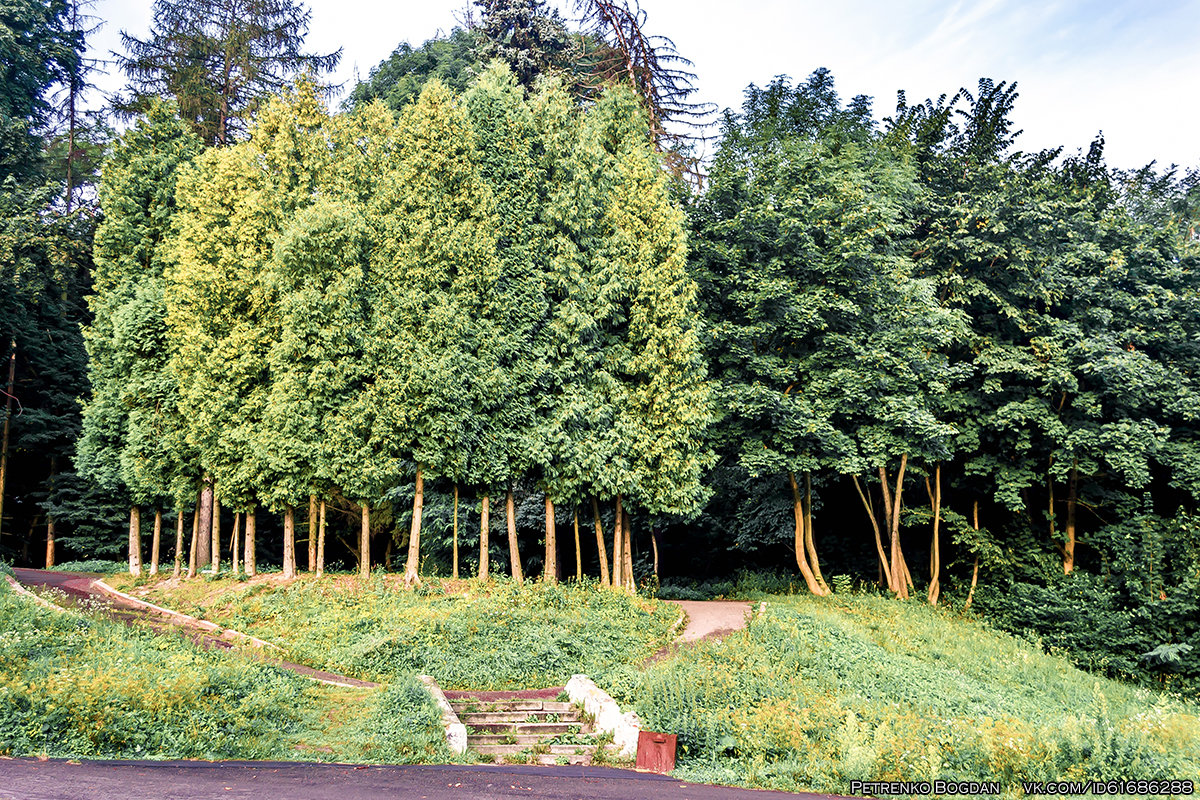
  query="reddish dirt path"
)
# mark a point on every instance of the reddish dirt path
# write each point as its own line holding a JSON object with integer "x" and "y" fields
{"x": 78, "y": 591}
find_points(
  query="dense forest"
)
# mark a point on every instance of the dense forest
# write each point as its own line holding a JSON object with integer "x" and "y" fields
{"x": 491, "y": 315}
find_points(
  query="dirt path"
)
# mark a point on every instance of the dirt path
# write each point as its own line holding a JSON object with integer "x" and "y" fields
{"x": 87, "y": 592}
{"x": 709, "y": 619}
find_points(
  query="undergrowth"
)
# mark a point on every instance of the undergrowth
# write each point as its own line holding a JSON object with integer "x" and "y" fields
{"x": 500, "y": 635}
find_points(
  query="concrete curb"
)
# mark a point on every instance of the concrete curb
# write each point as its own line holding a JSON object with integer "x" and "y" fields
{"x": 21, "y": 590}
{"x": 609, "y": 719}
{"x": 456, "y": 732}
{"x": 186, "y": 619}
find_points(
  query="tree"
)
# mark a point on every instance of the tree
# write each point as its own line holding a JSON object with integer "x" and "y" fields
{"x": 398, "y": 80}
{"x": 527, "y": 35}
{"x": 219, "y": 60}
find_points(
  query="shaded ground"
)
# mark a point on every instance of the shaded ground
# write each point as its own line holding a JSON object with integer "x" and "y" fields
{"x": 29, "y": 779}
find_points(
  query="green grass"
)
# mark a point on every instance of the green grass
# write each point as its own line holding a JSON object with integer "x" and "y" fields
{"x": 821, "y": 691}
{"x": 76, "y": 686}
{"x": 495, "y": 636}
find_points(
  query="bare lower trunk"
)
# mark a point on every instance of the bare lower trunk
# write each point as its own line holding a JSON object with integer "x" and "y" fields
{"x": 901, "y": 578}
{"x": 935, "y": 552}
{"x": 578, "y": 552}
{"x": 194, "y": 551}
{"x": 289, "y": 542}
{"x": 156, "y": 542}
{"x": 364, "y": 544}
{"x": 135, "y": 541}
{"x": 178, "y": 543}
{"x": 234, "y": 541}
{"x": 411, "y": 579}
{"x": 321, "y": 543}
{"x": 49, "y": 541}
{"x": 654, "y": 546}
{"x": 600, "y": 543}
{"x": 484, "y": 557}
{"x": 216, "y": 535}
{"x": 204, "y": 555}
{"x": 514, "y": 555}
{"x": 799, "y": 539}
{"x": 1072, "y": 500}
{"x": 884, "y": 569}
{"x": 627, "y": 571}
{"x": 975, "y": 570}
{"x": 312, "y": 533}
{"x": 249, "y": 553}
{"x": 618, "y": 559}
{"x": 454, "y": 569}
{"x": 550, "y": 565}
{"x": 809, "y": 543}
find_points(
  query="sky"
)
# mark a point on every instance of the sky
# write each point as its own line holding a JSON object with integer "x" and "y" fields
{"x": 1128, "y": 68}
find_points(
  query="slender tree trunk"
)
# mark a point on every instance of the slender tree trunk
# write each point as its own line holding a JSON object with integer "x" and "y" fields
{"x": 654, "y": 534}
{"x": 514, "y": 555}
{"x": 289, "y": 542}
{"x": 799, "y": 539}
{"x": 234, "y": 542}
{"x": 550, "y": 564}
{"x": 1050, "y": 503}
{"x": 894, "y": 503}
{"x": 135, "y": 541}
{"x": 312, "y": 533}
{"x": 578, "y": 553}
{"x": 618, "y": 559}
{"x": 194, "y": 553}
{"x": 250, "y": 549}
{"x": 975, "y": 570}
{"x": 601, "y": 545}
{"x": 179, "y": 513}
{"x": 364, "y": 544}
{"x": 935, "y": 552}
{"x": 216, "y": 535}
{"x": 204, "y": 555}
{"x": 484, "y": 545}
{"x": 628, "y": 562}
{"x": 8, "y": 402}
{"x": 49, "y": 516}
{"x": 387, "y": 554}
{"x": 156, "y": 542}
{"x": 1072, "y": 499}
{"x": 884, "y": 569}
{"x": 321, "y": 543}
{"x": 411, "y": 578}
{"x": 809, "y": 543}
{"x": 454, "y": 570}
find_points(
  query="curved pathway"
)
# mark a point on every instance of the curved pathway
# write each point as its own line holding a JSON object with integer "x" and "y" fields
{"x": 710, "y": 619}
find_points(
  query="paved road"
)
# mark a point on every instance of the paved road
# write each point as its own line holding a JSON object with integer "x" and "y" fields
{"x": 711, "y": 618}
{"x": 29, "y": 779}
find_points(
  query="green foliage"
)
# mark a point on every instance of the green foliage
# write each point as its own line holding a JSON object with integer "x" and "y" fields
{"x": 399, "y": 80}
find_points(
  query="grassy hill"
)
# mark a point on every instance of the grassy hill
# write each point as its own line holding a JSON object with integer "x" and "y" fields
{"x": 816, "y": 692}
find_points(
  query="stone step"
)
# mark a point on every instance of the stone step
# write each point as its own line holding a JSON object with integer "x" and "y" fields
{"x": 473, "y": 717}
{"x": 552, "y": 749}
{"x": 526, "y": 728}
{"x": 476, "y": 706}
{"x": 525, "y": 739}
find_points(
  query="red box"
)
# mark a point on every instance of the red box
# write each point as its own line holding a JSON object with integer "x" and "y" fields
{"x": 656, "y": 751}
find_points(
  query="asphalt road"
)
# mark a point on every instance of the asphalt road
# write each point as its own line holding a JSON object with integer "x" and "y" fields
{"x": 30, "y": 779}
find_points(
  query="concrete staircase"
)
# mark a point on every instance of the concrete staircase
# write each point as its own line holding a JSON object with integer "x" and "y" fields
{"x": 529, "y": 727}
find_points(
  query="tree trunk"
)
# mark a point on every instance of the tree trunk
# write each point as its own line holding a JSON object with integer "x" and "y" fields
{"x": 321, "y": 543}
{"x": 312, "y": 533}
{"x": 204, "y": 542}
{"x": 935, "y": 552}
{"x": 289, "y": 542}
{"x": 156, "y": 542}
{"x": 550, "y": 564}
{"x": 1072, "y": 499}
{"x": 249, "y": 550}
{"x": 135, "y": 541}
{"x": 234, "y": 541}
{"x": 627, "y": 582}
{"x": 899, "y": 568}
{"x": 194, "y": 551}
{"x": 514, "y": 555}
{"x": 216, "y": 535}
{"x": 799, "y": 539}
{"x": 49, "y": 541}
{"x": 618, "y": 559}
{"x": 364, "y": 544}
{"x": 8, "y": 402}
{"x": 600, "y": 543}
{"x": 178, "y": 542}
{"x": 809, "y": 544}
{"x": 975, "y": 570}
{"x": 454, "y": 568}
{"x": 578, "y": 553}
{"x": 654, "y": 534}
{"x": 411, "y": 578}
{"x": 484, "y": 545}
{"x": 884, "y": 569}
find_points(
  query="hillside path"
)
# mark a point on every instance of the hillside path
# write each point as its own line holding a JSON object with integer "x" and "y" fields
{"x": 711, "y": 619}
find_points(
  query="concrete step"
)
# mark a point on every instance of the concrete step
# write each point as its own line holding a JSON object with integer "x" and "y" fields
{"x": 525, "y": 739}
{"x": 478, "y": 706}
{"x": 526, "y": 728}
{"x": 472, "y": 717}
{"x": 552, "y": 749}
